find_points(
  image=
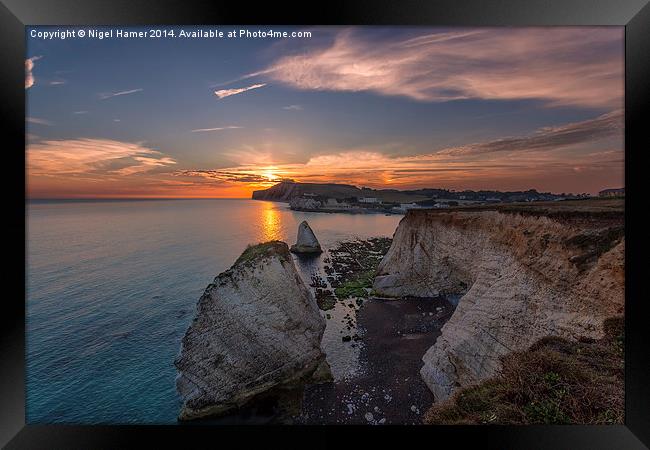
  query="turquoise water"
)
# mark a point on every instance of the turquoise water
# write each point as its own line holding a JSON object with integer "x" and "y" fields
{"x": 112, "y": 286}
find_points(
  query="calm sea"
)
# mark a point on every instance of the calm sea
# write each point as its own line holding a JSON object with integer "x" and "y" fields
{"x": 112, "y": 286}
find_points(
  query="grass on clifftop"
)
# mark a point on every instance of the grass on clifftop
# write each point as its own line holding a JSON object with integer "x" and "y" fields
{"x": 254, "y": 251}
{"x": 556, "y": 381}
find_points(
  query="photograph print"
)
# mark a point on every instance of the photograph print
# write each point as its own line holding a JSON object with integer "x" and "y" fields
{"x": 325, "y": 225}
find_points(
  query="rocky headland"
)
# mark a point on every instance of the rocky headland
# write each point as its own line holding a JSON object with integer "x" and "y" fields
{"x": 524, "y": 271}
{"x": 464, "y": 309}
{"x": 306, "y": 195}
{"x": 285, "y": 191}
{"x": 257, "y": 330}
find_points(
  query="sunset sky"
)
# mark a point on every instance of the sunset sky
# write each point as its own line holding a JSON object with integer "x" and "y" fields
{"x": 479, "y": 108}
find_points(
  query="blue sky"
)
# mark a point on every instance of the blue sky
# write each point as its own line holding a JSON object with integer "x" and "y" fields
{"x": 367, "y": 106}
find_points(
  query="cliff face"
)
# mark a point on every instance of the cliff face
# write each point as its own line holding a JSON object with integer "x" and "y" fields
{"x": 300, "y": 203}
{"x": 257, "y": 328}
{"x": 286, "y": 191}
{"x": 524, "y": 274}
{"x": 281, "y": 192}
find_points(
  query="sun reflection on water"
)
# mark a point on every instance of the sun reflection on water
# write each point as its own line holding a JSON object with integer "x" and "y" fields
{"x": 271, "y": 223}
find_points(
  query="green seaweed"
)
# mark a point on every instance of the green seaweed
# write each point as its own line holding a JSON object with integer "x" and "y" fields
{"x": 357, "y": 287}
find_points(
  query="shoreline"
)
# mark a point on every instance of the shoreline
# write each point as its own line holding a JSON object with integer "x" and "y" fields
{"x": 374, "y": 345}
{"x": 388, "y": 388}
{"x": 342, "y": 211}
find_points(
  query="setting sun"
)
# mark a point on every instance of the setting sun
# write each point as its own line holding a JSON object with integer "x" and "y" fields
{"x": 270, "y": 174}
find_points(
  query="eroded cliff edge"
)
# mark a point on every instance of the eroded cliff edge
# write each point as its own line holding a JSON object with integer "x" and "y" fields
{"x": 526, "y": 271}
{"x": 257, "y": 329}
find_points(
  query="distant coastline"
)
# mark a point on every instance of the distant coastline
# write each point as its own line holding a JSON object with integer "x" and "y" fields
{"x": 344, "y": 198}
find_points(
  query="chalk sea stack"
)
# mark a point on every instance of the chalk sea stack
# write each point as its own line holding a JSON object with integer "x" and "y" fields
{"x": 306, "y": 242}
{"x": 257, "y": 329}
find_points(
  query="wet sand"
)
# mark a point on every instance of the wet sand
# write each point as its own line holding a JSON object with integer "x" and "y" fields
{"x": 388, "y": 389}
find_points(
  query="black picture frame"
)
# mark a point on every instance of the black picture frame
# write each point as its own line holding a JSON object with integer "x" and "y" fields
{"x": 633, "y": 14}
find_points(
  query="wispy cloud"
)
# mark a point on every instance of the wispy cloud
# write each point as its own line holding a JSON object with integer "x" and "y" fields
{"x": 229, "y": 127}
{"x": 57, "y": 82}
{"x": 568, "y": 66}
{"x": 223, "y": 93}
{"x": 92, "y": 158}
{"x": 230, "y": 176}
{"x": 80, "y": 112}
{"x": 107, "y": 95}
{"x": 241, "y": 78}
{"x": 551, "y": 138}
{"x": 38, "y": 121}
{"x": 590, "y": 155}
{"x": 293, "y": 108}
{"x": 29, "y": 67}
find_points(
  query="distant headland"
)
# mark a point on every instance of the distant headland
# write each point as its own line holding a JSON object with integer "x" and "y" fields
{"x": 330, "y": 197}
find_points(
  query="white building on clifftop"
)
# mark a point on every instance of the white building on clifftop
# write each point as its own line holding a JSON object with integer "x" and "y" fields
{"x": 369, "y": 200}
{"x": 612, "y": 193}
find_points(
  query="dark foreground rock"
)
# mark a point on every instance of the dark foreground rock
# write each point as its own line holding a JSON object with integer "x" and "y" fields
{"x": 257, "y": 329}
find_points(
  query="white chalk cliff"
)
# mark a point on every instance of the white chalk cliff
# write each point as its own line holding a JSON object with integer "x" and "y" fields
{"x": 257, "y": 327}
{"x": 524, "y": 275}
{"x": 306, "y": 241}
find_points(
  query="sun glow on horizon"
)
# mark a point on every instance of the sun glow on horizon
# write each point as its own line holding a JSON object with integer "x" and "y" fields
{"x": 270, "y": 174}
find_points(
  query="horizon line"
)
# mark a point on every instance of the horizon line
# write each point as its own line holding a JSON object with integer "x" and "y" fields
{"x": 30, "y": 199}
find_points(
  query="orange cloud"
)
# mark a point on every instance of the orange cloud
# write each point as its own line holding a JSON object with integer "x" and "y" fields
{"x": 552, "y": 158}
{"x": 92, "y": 158}
{"x": 583, "y": 156}
{"x": 540, "y": 170}
{"x": 29, "y": 67}
{"x": 79, "y": 168}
